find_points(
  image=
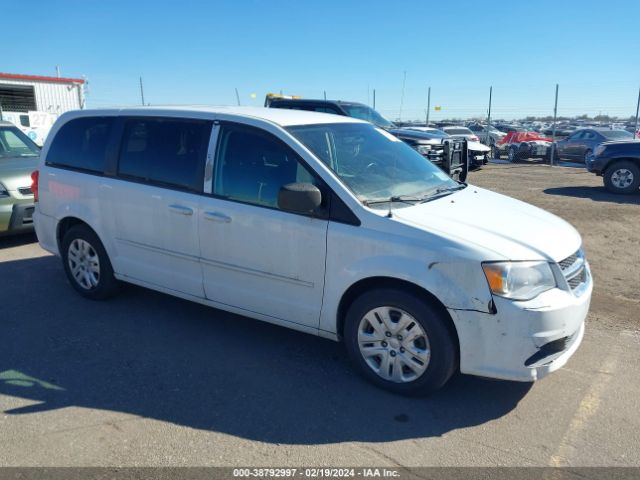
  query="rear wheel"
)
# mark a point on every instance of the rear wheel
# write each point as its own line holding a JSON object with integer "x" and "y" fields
{"x": 399, "y": 342}
{"x": 586, "y": 155}
{"x": 622, "y": 177}
{"x": 87, "y": 264}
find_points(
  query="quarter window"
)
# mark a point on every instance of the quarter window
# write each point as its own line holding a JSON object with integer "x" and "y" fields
{"x": 165, "y": 151}
{"x": 252, "y": 165}
{"x": 81, "y": 144}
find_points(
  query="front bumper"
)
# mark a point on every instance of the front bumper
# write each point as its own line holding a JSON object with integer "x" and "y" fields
{"x": 16, "y": 215}
{"x": 593, "y": 165}
{"x": 523, "y": 340}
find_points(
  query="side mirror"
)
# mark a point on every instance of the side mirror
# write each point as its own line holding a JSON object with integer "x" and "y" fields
{"x": 299, "y": 197}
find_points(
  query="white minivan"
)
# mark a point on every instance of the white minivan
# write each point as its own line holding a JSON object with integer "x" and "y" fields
{"x": 321, "y": 223}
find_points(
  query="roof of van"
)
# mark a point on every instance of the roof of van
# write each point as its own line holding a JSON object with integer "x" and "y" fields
{"x": 282, "y": 117}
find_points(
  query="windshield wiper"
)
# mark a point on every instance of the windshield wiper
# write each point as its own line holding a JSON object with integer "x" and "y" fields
{"x": 393, "y": 199}
{"x": 443, "y": 192}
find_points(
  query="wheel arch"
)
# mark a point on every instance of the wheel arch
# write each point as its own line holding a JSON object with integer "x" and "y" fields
{"x": 369, "y": 283}
{"x": 614, "y": 160}
{"x": 65, "y": 224}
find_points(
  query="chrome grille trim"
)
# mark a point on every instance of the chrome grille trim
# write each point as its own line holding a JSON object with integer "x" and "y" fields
{"x": 574, "y": 270}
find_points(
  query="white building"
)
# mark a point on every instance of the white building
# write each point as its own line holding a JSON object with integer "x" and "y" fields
{"x": 34, "y": 102}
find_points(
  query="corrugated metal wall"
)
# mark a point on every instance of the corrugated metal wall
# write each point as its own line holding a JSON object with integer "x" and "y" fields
{"x": 53, "y": 97}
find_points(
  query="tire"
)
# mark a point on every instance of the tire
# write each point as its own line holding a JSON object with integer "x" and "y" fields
{"x": 622, "y": 177}
{"x": 87, "y": 264}
{"x": 388, "y": 363}
{"x": 512, "y": 155}
{"x": 586, "y": 154}
{"x": 495, "y": 152}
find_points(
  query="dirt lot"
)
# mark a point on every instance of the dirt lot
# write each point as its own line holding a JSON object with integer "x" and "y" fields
{"x": 609, "y": 225}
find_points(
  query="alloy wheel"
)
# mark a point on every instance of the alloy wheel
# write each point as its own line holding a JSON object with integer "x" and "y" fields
{"x": 622, "y": 178}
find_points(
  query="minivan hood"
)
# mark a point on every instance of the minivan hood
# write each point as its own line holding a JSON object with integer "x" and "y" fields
{"x": 15, "y": 172}
{"x": 507, "y": 228}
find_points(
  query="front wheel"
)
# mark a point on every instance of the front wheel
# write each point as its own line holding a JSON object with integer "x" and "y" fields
{"x": 87, "y": 264}
{"x": 400, "y": 342}
{"x": 622, "y": 177}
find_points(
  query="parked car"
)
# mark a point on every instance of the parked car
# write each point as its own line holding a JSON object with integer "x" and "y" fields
{"x": 507, "y": 127}
{"x": 324, "y": 224}
{"x": 561, "y": 130}
{"x": 461, "y": 132}
{"x": 618, "y": 163}
{"x": 582, "y": 143}
{"x": 487, "y": 135}
{"x": 18, "y": 159}
{"x": 439, "y": 148}
{"x": 523, "y": 145}
{"x": 477, "y": 152}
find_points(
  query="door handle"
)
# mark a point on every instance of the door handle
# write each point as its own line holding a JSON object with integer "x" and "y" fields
{"x": 181, "y": 210}
{"x": 217, "y": 217}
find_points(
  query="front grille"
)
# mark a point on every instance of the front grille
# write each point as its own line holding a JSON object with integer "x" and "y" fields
{"x": 25, "y": 191}
{"x": 574, "y": 269}
{"x": 580, "y": 278}
{"x": 567, "y": 262}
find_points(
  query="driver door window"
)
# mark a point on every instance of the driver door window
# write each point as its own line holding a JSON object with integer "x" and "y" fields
{"x": 252, "y": 165}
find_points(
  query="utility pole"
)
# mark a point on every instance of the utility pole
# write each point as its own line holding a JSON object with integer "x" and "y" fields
{"x": 489, "y": 114}
{"x": 141, "y": 92}
{"x": 553, "y": 130}
{"x": 57, "y": 71}
{"x": 635, "y": 129}
{"x": 404, "y": 81}
{"x": 374, "y": 98}
{"x": 428, "y": 105}
{"x": 325, "y": 94}
{"x": 237, "y": 97}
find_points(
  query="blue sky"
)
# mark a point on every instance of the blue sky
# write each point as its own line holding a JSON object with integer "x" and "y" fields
{"x": 200, "y": 51}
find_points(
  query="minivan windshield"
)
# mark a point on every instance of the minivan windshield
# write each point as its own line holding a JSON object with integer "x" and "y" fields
{"x": 378, "y": 167}
{"x": 14, "y": 143}
{"x": 368, "y": 114}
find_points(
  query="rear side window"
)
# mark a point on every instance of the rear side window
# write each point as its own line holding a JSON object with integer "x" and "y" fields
{"x": 165, "y": 151}
{"x": 81, "y": 144}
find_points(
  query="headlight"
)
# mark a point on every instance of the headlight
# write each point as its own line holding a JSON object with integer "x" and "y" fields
{"x": 599, "y": 149}
{"x": 519, "y": 280}
{"x": 3, "y": 191}
{"x": 424, "y": 149}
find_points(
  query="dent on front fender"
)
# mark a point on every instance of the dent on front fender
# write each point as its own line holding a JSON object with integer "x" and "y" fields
{"x": 460, "y": 286}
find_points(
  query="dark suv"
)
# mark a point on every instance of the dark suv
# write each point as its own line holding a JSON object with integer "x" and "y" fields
{"x": 618, "y": 163}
